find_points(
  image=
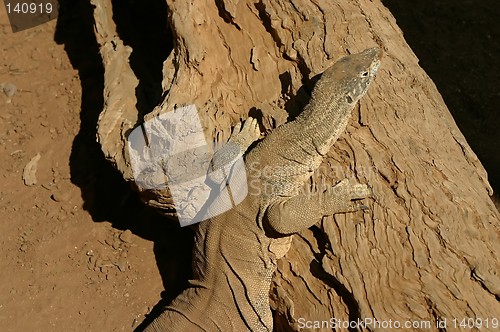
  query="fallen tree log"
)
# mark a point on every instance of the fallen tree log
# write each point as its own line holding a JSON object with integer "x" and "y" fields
{"x": 427, "y": 250}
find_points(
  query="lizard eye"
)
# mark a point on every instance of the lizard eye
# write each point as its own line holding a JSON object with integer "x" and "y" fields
{"x": 364, "y": 74}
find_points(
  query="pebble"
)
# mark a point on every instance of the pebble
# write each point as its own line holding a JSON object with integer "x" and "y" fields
{"x": 126, "y": 236}
{"x": 9, "y": 90}
{"x": 23, "y": 247}
{"x": 121, "y": 265}
{"x": 29, "y": 171}
{"x": 116, "y": 244}
{"x": 60, "y": 196}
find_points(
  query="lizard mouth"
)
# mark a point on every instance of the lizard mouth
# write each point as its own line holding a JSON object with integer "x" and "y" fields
{"x": 372, "y": 57}
{"x": 377, "y": 56}
{"x": 374, "y": 68}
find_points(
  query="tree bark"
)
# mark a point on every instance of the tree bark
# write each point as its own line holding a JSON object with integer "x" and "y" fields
{"x": 428, "y": 248}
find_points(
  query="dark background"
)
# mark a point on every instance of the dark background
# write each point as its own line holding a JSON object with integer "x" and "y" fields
{"x": 458, "y": 44}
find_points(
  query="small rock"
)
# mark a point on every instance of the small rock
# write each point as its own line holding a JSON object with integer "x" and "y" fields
{"x": 60, "y": 196}
{"x": 121, "y": 265}
{"x": 29, "y": 171}
{"x": 46, "y": 186}
{"x": 23, "y": 247}
{"x": 116, "y": 244}
{"x": 9, "y": 90}
{"x": 126, "y": 236}
{"x": 97, "y": 263}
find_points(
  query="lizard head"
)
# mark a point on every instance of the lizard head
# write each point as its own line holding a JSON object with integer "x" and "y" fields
{"x": 350, "y": 76}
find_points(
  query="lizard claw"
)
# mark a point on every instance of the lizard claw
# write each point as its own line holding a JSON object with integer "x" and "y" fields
{"x": 244, "y": 135}
{"x": 344, "y": 197}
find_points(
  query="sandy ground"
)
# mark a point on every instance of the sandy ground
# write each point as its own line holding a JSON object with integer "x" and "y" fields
{"x": 79, "y": 251}
{"x": 68, "y": 262}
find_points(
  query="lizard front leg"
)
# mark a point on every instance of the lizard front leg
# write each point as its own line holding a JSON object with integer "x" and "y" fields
{"x": 291, "y": 215}
{"x": 226, "y": 176}
{"x": 242, "y": 137}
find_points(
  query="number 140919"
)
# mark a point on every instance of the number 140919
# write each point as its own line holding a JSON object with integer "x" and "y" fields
{"x": 29, "y": 8}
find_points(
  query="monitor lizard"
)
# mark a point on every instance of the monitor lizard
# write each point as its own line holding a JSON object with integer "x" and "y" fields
{"x": 235, "y": 253}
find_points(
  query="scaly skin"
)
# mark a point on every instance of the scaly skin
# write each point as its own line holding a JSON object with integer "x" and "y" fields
{"x": 235, "y": 253}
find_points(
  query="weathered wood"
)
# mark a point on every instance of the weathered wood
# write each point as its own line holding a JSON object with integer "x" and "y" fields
{"x": 428, "y": 248}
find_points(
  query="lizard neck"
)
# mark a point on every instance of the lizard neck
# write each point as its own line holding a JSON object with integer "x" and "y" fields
{"x": 291, "y": 153}
{"x": 324, "y": 119}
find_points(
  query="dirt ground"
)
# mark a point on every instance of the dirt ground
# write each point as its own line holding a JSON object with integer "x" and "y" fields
{"x": 79, "y": 251}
